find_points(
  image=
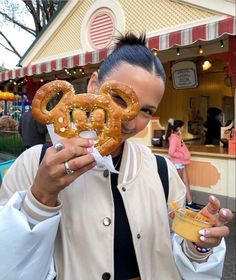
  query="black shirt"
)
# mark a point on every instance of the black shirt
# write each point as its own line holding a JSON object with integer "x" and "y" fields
{"x": 125, "y": 261}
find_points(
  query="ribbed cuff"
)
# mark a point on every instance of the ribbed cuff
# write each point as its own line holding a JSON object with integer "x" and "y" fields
{"x": 192, "y": 253}
{"x": 37, "y": 212}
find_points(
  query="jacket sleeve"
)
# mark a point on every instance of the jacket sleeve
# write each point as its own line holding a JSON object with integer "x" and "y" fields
{"x": 25, "y": 253}
{"x": 211, "y": 269}
{"x": 191, "y": 264}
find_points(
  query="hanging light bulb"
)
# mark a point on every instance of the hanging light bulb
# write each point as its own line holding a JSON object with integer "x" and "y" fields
{"x": 206, "y": 65}
{"x": 155, "y": 52}
{"x": 177, "y": 51}
{"x": 200, "y": 49}
{"x": 221, "y": 43}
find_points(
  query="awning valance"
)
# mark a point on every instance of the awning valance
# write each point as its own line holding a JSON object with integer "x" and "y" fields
{"x": 205, "y": 32}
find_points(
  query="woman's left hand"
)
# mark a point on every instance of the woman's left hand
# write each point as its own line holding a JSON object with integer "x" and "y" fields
{"x": 211, "y": 237}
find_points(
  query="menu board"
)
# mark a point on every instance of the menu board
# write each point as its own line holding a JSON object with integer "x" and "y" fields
{"x": 184, "y": 75}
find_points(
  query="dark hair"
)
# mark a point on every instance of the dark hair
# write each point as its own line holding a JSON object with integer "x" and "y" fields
{"x": 131, "y": 49}
{"x": 212, "y": 112}
{"x": 173, "y": 127}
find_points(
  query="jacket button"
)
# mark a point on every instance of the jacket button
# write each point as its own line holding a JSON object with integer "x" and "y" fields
{"x": 106, "y": 276}
{"x": 106, "y": 173}
{"x": 123, "y": 189}
{"x": 106, "y": 221}
{"x": 138, "y": 235}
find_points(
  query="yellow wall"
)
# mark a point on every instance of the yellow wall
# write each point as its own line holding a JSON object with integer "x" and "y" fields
{"x": 176, "y": 103}
{"x": 151, "y": 15}
{"x": 154, "y": 15}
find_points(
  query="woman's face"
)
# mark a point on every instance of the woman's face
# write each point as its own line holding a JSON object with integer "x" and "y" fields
{"x": 149, "y": 89}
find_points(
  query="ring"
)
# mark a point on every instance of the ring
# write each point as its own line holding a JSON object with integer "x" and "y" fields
{"x": 67, "y": 169}
{"x": 58, "y": 147}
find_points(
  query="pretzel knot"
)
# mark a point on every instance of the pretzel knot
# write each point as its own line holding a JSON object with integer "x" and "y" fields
{"x": 75, "y": 113}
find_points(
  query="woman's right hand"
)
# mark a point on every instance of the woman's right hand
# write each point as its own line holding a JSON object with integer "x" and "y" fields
{"x": 51, "y": 177}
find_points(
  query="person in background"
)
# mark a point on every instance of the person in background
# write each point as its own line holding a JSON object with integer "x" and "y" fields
{"x": 70, "y": 218}
{"x": 180, "y": 157}
{"x": 32, "y": 132}
{"x": 212, "y": 126}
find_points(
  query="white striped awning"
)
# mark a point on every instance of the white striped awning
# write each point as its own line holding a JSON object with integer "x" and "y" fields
{"x": 205, "y": 32}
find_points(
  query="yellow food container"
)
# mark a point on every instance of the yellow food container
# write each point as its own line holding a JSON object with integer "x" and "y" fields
{"x": 187, "y": 224}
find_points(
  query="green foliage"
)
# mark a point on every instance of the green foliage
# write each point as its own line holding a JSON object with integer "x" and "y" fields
{"x": 11, "y": 144}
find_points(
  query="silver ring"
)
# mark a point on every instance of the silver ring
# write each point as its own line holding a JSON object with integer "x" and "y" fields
{"x": 59, "y": 147}
{"x": 67, "y": 169}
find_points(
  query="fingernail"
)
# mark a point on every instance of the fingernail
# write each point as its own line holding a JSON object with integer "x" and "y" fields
{"x": 202, "y": 232}
{"x": 202, "y": 238}
{"x": 224, "y": 212}
{"x": 90, "y": 149}
{"x": 212, "y": 197}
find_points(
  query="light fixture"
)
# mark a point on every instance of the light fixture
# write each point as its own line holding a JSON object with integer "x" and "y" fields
{"x": 206, "y": 65}
{"x": 177, "y": 51}
{"x": 221, "y": 43}
{"x": 200, "y": 49}
{"x": 155, "y": 52}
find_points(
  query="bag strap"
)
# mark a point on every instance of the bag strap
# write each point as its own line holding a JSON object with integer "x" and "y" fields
{"x": 163, "y": 173}
{"x": 43, "y": 151}
{"x": 161, "y": 168}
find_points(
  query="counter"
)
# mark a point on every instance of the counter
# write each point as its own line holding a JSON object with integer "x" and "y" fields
{"x": 211, "y": 171}
{"x": 200, "y": 150}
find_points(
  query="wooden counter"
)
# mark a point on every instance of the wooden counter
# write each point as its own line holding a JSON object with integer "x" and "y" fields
{"x": 211, "y": 171}
{"x": 200, "y": 150}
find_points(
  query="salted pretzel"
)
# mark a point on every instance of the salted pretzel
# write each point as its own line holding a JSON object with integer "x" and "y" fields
{"x": 75, "y": 113}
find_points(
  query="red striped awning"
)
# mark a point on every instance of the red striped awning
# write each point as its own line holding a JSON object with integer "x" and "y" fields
{"x": 205, "y": 32}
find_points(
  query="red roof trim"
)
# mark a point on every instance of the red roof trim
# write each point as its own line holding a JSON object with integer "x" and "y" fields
{"x": 226, "y": 26}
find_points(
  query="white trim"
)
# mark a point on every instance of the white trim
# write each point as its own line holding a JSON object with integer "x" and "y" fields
{"x": 117, "y": 11}
{"x": 56, "y": 23}
{"x": 220, "y": 6}
{"x": 185, "y": 26}
{"x": 126, "y": 171}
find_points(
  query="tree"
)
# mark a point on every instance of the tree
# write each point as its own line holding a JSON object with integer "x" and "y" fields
{"x": 2, "y": 68}
{"x": 12, "y": 12}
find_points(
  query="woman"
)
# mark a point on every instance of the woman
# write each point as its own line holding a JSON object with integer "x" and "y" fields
{"x": 213, "y": 126}
{"x": 111, "y": 227}
{"x": 180, "y": 157}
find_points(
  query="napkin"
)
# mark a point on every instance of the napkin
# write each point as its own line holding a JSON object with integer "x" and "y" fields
{"x": 101, "y": 161}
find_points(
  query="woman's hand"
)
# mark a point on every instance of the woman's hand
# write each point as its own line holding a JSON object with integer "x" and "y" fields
{"x": 51, "y": 177}
{"x": 211, "y": 237}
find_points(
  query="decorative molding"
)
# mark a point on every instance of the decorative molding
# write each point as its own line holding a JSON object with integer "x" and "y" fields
{"x": 114, "y": 7}
{"x": 203, "y": 174}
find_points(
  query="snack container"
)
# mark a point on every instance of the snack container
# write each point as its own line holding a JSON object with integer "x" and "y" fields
{"x": 187, "y": 224}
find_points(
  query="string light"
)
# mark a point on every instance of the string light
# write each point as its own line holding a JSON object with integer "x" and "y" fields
{"x": 155, "y": 52}
{"x": 200, "y": 49}
{"x": 221, "y": 43}
{"x": 177, "y": 51}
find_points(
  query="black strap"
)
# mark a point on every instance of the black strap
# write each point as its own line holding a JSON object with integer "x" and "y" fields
{"x": 161, "y": 168}
{"x": 43, "y": 151}
{"x": 163, "y": 172}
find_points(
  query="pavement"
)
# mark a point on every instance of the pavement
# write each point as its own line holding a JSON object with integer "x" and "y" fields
{"x": 229, "y": 272}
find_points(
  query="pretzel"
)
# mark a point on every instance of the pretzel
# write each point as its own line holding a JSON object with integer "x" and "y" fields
{"x": 75, "y": 113}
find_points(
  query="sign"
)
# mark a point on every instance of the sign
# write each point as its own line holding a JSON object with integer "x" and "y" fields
{"x": 184, "y": 75}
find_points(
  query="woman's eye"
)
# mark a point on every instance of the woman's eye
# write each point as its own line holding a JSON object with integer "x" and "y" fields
{"x": 147, "y": 111}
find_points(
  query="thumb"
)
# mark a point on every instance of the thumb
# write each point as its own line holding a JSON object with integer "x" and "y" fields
{"x": 212, "y": 207}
